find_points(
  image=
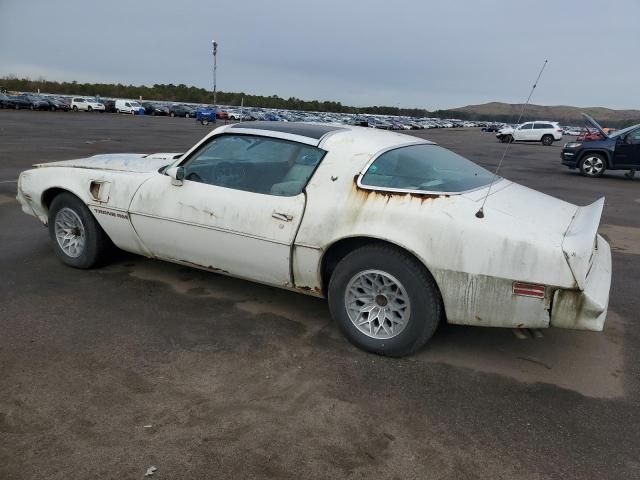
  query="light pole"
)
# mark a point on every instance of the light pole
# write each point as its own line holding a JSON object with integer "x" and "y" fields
{"x": 214, "y": 46}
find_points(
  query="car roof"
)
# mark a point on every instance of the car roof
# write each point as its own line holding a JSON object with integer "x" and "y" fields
{"x": 310, "y": 130}
{"x": 324, "y": 135}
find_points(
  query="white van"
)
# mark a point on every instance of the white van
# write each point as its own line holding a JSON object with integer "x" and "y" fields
{"x": 128, "y": 106}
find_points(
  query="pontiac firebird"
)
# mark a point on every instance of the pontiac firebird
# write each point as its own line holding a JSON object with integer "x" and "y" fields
{"x": 383, "y": 225}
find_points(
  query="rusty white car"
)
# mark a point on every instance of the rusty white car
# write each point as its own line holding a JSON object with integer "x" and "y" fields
{"x": 382, "y": 224}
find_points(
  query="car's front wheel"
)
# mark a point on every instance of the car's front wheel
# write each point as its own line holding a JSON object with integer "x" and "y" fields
{"x": 593, "y": 165}
{"x": 78, "y": 240}
{"x": 384, "y": 300}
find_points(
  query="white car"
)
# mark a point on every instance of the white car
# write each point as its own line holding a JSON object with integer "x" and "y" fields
{"x": 128, "y": 106}
{"x": 388, "y": 227}
{"x": 82, "y": 104}
{"x": 539, "y": 131}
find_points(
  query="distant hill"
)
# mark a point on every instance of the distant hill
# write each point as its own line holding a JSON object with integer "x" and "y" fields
{"x": 565, "y": 114}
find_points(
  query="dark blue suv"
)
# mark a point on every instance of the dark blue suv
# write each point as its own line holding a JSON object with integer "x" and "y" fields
{"x": 617, "y": 151}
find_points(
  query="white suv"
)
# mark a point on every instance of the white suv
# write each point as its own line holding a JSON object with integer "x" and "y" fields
{"x": 80, "y": 103}
{"x": 538, "y": 131}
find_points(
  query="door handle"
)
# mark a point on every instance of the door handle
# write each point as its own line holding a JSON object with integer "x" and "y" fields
{"x": 285, "y": 217}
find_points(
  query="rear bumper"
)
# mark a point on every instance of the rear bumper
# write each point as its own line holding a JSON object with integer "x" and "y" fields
{"x": 586, "y": 309}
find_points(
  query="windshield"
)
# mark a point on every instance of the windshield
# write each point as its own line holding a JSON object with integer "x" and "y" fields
{"x": 134, "y": 104}
{"x": 624, "y": 131}
{"x": 425, "y": 168}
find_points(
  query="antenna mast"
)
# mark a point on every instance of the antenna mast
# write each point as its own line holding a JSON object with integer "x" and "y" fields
{"x": 480, "y": 212}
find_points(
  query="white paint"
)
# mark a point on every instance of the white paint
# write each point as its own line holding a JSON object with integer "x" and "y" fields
{"x": 474, "y": 261}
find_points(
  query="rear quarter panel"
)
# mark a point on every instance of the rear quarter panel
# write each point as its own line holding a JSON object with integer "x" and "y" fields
{"x": 473, "y": 261}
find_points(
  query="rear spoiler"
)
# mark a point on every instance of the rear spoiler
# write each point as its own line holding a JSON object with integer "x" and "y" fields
{"x": 579, "y": 242}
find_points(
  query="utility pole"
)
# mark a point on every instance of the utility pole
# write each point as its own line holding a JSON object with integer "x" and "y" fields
{"x": 214, "y": 46}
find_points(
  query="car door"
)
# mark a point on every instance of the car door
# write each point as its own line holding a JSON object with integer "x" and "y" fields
{"x": 627, "y": 152}
{"x": 523, "y": 132}
{"x": 539, "y": 129}
{"x": 237, "y": 210}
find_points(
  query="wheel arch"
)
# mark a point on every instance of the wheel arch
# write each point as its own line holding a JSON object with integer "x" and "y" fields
{"x": 340, "y": 248}
{"x": 603, "y": 151}
{"x": 50, "y": 193}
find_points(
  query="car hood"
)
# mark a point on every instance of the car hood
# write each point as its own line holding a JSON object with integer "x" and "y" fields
{"x": 122, "y": 162}
{"x": 595, "y": 125}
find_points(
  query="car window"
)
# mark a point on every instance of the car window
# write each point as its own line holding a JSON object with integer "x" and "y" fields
{"x": 428, "y": 168}
{"x": 634, "y": 137}
{"x": 526, "y": 126}
{"x": 539, "y": 126}
{"x": 254, "y": 164}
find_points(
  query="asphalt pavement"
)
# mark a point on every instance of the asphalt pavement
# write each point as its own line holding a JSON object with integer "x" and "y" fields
{"x": 106, "y": 372}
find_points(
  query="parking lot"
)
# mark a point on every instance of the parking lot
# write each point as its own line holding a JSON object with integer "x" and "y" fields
{"x": 106, "y": 372}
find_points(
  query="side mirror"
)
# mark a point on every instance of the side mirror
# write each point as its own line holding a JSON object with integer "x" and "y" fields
{"x": 177, "y": 175}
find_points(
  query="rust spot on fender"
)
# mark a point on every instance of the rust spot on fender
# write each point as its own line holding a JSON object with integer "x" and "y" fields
{"x": 309, "y": 290}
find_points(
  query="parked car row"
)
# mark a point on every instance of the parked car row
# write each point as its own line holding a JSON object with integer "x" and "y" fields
{"x": 227, "y": 113}
{"x": 34, "y": 102}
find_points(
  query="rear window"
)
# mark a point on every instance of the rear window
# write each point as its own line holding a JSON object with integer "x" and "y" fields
{"x": 428, "y": 168}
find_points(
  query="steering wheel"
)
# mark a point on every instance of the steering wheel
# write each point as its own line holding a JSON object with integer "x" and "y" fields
{"x": 228, "y": 173}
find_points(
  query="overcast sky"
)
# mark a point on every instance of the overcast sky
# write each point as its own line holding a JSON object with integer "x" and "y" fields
{"x": 427, "y": 54}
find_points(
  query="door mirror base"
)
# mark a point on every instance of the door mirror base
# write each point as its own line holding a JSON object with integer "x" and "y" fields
{"x": 177, "y": 175}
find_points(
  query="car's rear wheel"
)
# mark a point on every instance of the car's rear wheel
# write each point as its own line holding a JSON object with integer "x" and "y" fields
{"x": 547, "y": 140}
{"x": 204, "y": 122}
{"x": 75, "y": 108}
{"x": 17, "y": 107}
{"x": 384, "y": 300}
{"x": 593, "y": 165}
{"x": 78, "y": 240}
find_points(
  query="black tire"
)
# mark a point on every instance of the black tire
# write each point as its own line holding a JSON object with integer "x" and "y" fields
{"x": 547, "y": 140}
{"x": 593, "y": 165}
{"x": 96, "y": 242}
{"x": 89, "y": 109}
{"x": 32, "y": 107}
{"x": 172, "y": 114}
{"x": 75, "y": 108}
{"x": 421, "y": 290}
{"x": 204, "y": 122}
{"x": 17, "y": 107}
{"x": 52, "y": 108}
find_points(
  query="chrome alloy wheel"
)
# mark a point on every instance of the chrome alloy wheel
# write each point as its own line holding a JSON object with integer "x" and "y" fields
{"x": 70, "y": 232}
{"x": 377, "y": 304}
{"x": 593, "y": 165}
